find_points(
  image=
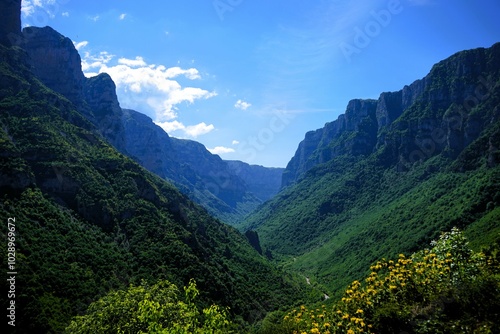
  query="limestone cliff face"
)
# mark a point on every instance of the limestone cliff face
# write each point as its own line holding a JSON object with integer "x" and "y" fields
{"x": 55, "y": 61}
{"x": 432, "y": 115}
{"x": 10, "y": 22}
{"x": 352, "y": 133}
{"x": 100, "y": 95}
{"x": 263, "y": 182}
{"x": 203, "y": 176}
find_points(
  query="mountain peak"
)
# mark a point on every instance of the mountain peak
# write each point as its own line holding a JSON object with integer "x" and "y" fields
{"x": 55, "y": 61}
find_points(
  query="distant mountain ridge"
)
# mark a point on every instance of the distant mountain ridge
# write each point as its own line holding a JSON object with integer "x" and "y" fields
{"x": 362, "y": 128}
{"x": 205, "y": 177}
{"x": 388, "y": 175}
{"x": 90, "y": 220}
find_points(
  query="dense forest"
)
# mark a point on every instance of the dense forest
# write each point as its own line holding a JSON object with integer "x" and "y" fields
{"x": 387, "y": 220}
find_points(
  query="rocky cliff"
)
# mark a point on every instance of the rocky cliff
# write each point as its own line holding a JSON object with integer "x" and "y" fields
{"x": 200, "y": 174}
{"x": 56, "y": 62}
{"x": 263, "y": 182}
{"x": 419, "y": 121}
{"x": 352, "y": 133}
{"x": 203, "y": 176}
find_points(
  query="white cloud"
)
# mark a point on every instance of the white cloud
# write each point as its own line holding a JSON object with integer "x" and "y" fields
{"x": 220, "y": 150}
{"x": 95, "y": 18}
{"x": 27, "y": 8}
{"x": 149, "y": 87}
{"x": 171, "y": 126}
{"x": 242, "y": 105}
{"x": 95, "y": 62}
{"x": 192, "y": 131}
{"x": 235, "y": 142}
{"x": 122, "y": 16}
{"x": 198, "y": 129}
{"x": 50, "y": 7}
{"x": 80, "y": 45}
{"x": 190, "y": 73}
{"x": 65, "y": 14}
{"x": 137, "y": 62}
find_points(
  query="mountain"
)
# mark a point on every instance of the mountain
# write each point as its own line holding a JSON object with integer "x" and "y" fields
{"x": 203, "y": 176}
{"x": 263, "y": 182}
{"x": 388, "y": 175}
{"x": 87, "y": 219}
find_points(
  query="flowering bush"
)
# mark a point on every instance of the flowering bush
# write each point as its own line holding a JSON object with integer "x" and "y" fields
{"x": 447, "y": 289}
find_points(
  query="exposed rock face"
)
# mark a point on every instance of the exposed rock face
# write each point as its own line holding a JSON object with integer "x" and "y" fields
{"x": 263, "y": 182}
{"x": 100, "y": 96}
{"x": 55, "y": 61}
{"x": 205, "y": 177}
{"x": 200, "y": 174}
{"x": 431, "y": 115}
{"x": 10, "y": 22}
{"x": 324, "y": 144}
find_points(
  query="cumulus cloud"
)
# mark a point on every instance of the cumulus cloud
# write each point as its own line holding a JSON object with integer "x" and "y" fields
{"x": 199, "y": 129}
{"x": 192, "y": 131}
{"x": 235, "y": 142}
{"x": 79, "y": 45}
{"x": 137, "y": 62}
{"x": 122, "y": 16}
{"x": 29, "y": 7}
{"x": 220, "y": 150}
{"x": 242, "y": 105}
{"x": 149, "y": 86}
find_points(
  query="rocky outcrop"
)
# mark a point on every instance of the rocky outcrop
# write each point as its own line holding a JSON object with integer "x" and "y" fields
{"x": 100, "y": 95}
{"x": 263, "y": 182}
{"x": 435, "y": 114}
{"x": 335, "y": 138}
{"x": 55, "y": 61}
{"x": 203, "y": 176}
{"x": 198, "y": 173}
{"x": 10, "y": 22}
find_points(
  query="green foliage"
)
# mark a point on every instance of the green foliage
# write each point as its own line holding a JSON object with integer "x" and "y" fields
{"x": 152, "y": 309}
{"x": 447, "y": 289}
{"x": 92, "y": 220}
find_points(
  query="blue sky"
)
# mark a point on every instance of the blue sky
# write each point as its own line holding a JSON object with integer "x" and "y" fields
{"x": 248, "y": 78}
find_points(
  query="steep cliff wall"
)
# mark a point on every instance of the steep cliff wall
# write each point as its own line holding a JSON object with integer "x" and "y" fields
{"x": 352, "y": 133}
{"x": 263, "y": 182}
{"x": 432, "y": 115}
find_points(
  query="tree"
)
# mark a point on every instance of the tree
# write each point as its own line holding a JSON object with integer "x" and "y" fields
{"x": 151, "y": 309}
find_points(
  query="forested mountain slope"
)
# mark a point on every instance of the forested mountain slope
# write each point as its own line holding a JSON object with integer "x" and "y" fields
{"x": 390, "y": 174}
{"x": 203, "y": 176}
{"x": 88, "y": 219}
